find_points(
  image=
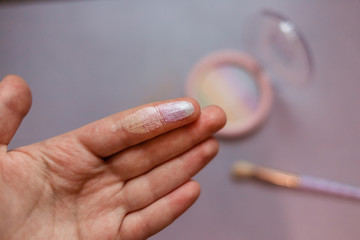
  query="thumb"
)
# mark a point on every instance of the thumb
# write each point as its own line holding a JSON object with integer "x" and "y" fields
{"x": 15, "y": 102}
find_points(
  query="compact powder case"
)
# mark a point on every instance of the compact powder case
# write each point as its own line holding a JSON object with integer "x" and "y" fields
{"x": 242, "y": 83}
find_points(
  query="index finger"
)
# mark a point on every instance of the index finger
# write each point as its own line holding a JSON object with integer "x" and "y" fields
{"x": 122, "y": 130}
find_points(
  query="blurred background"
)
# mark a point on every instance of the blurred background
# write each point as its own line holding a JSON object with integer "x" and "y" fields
{"x": 85, "y": 60}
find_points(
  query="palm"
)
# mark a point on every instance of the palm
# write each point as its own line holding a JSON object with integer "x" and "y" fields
{"x": 95, "y": 183}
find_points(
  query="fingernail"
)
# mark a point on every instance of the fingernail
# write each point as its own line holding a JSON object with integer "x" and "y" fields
{"x": 174, "y": 111}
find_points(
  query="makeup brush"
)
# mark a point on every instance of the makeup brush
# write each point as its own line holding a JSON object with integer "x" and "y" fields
{"x": 243, "y": 169}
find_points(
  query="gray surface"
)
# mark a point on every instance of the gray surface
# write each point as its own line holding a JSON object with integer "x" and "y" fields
{"x": 88, "y": 59}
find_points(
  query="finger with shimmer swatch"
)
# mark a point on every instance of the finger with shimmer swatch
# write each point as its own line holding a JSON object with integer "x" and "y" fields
{"x": 141, "y": 158}
{"x": 122, "y": 130}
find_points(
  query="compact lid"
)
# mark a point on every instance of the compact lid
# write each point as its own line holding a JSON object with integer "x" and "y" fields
{"x": 280, "y": 47}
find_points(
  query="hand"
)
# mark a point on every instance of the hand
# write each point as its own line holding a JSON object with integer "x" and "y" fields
{"x": 126, "y": 176}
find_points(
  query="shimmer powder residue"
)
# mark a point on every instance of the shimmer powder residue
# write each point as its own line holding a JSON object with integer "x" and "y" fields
{"x": 174, "y": 111}
{"x": 142, "y": 121}
{"x": 150, "y": 118}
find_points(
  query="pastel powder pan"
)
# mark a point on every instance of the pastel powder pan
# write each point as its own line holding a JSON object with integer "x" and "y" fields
{"x": 235, "y": 82}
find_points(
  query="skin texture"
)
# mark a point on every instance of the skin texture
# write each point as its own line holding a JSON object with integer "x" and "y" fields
{"x": 96, "y": 183}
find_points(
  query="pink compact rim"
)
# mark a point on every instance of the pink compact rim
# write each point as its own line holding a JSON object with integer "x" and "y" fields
{"x": 262, "y": 81}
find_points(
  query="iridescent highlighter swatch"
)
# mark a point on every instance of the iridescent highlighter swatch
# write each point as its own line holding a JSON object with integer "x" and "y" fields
{"x": 150, "y": 118}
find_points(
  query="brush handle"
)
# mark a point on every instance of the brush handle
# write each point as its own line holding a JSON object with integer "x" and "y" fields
{"x": 329, "y": 187}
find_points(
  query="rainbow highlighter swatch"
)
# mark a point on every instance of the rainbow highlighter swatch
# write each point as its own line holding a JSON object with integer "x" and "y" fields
{"x": 150, "y": 118}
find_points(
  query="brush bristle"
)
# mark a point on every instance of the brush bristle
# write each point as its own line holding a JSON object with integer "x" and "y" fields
{"x": 243, "y": 169}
